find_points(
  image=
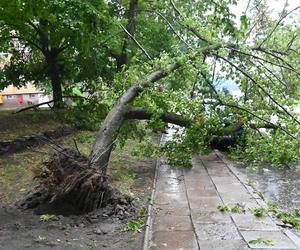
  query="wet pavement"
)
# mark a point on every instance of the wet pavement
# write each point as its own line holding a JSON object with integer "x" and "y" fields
{"x": 280, "y": 185}
{"x": 185, "y": 214}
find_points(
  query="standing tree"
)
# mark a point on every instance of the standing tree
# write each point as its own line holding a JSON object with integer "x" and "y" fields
{"x": 53, "y": 41}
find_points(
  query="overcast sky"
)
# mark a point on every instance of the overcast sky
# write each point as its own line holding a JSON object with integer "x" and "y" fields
{"x": 275, "y": 7}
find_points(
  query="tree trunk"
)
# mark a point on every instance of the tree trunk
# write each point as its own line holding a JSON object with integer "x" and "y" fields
{"x": 123, "y": 58}
{"x": 54, "y": 75}
{"x": 108, "y": 133}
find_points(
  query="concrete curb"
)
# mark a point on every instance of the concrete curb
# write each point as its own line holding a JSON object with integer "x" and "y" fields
{"x": 148, "y": 230}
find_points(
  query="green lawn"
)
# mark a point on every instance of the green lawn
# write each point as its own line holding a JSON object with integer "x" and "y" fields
{"x": 26, "y": 123}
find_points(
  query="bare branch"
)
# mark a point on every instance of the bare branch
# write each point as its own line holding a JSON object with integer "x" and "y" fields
{"x": 277, "y": 24}
{"x": 173, "y": 29}
{"x": 34, "y": 106}
{"x": 136, "y": 42}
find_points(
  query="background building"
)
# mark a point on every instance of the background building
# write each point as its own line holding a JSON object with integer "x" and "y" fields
{"x": 12, "y": 97}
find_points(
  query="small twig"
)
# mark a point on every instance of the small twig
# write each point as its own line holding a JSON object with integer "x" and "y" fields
{"x": 277, "y": 24}
{"x": 173, "y": 30}
{"x": 76, "y": 146}
{"x": 37, "y": 151}
{"x": 136, "y": 42}
{"x": 34, "y": 106}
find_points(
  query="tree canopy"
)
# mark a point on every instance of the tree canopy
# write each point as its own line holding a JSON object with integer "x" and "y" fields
{"x": 54, "y": 41}
{"x": 111, "y": 48}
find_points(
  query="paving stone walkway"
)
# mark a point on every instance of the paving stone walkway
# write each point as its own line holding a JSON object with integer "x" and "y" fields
{"x": 185, "y": 214}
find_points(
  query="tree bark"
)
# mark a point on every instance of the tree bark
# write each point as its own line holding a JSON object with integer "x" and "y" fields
{"x": 108, "y": 133}
{"x": 54, "y": 74}
{"x": 123, "y": 58}
{"x": 141, "y": 114}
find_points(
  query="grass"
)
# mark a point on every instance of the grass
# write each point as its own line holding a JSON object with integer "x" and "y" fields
{"x": 137, "y": 224}
{"x": 30, "y": 122}
{"x": 16, "y": 175}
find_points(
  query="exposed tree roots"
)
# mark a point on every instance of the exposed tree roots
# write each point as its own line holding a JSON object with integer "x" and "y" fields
{"x": 70, "y": 186}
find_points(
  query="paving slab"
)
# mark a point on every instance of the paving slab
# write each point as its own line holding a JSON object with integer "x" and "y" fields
{"x": 223, "y": 244}
{"x": 279, "y": 240}
{"x": 209, "y": 217}
{"x": 199, "y": 186}
{"x": 217, "y": 231}
{"x": 170, "y": 186}
{"x": 177, "y": 198}
{"x": 172, "y": 223}
{"x": 197, "y": 177}
{"x": 205, "y": 203}
{"x": 225, "y": 180}
{"x": 176, "y": 210}
{"x": 247, "y": 221}
{"x": 179, "y": 240}
{"x": 196, "y": 193}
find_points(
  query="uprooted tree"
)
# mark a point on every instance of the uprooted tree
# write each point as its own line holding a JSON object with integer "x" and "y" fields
{"x": 182, "y": 90}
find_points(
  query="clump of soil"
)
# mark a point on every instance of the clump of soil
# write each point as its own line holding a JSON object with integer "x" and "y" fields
{"x": 70, "y": 186}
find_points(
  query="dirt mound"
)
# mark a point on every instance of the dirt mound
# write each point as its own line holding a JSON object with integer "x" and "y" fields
{"x": 70, "y": 186}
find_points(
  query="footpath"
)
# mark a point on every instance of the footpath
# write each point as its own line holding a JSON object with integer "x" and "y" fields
{"x": 185, "y": 214}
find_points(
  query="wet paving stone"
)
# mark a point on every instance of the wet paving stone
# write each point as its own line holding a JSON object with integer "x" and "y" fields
{"x": 176, "y": 198}
{"x": 195, "y": 194}
{"x": 247, "y": 205}
{"x": 167, "y": 170}
{"x": 175, "y": 210}
{"x": 248, "y": 221}
{"x": 219, "y": 173}
{"x": 205, "y": 203}
{"x": 236, "y": 198}
{"x": 223, "y": 244}
{"x": 278, "y": 240}
{"x": 202, "y": 178}
{"x": 211, "y": 157}
{"x": 172, "y": 223}
{"x": 170, "y": 186}
{"x": 204, "y": 217}
{"x": 226, "y": 180}
{"x": 204, "y": 185}
{"x": 217, "y": 231}
{"x": 179, "y": 240}
{"x": 224, "y": 188}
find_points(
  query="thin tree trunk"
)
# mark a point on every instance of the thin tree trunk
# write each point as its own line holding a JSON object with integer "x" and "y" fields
{"x": 123, "y": 58}
{"x": 54, "y": 75}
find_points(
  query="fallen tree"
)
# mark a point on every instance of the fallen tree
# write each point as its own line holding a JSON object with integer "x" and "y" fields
{"x": 82, "y": 182}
